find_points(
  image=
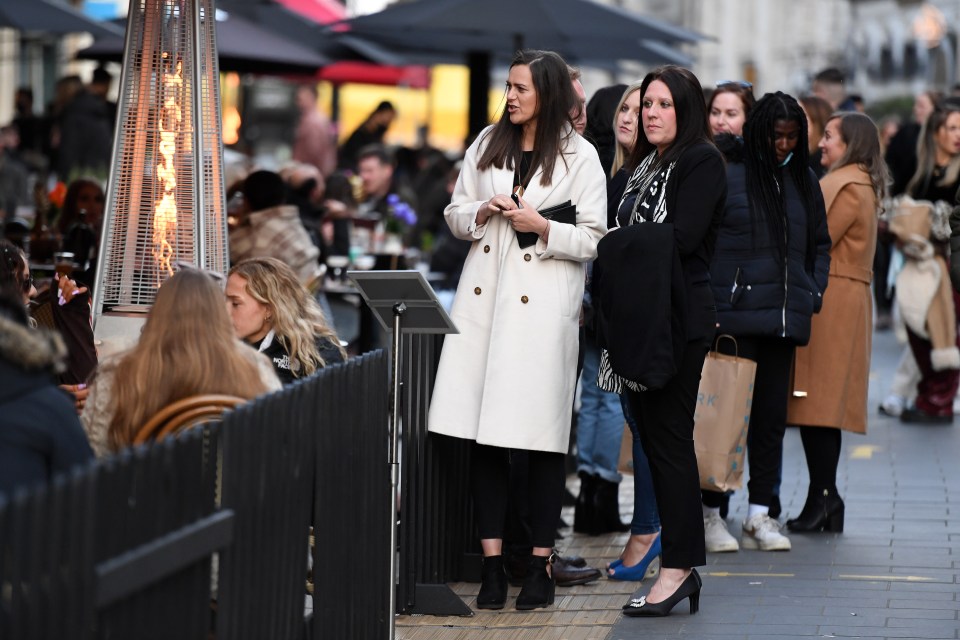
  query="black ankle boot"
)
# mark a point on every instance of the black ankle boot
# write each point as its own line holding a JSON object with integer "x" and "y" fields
{"x": 583, "y": 513}
{"x": 493, "y": 584}
{"x": 606, "y": 508}
{"x": 538, "y": 587}
{"x": 823, "y": 511}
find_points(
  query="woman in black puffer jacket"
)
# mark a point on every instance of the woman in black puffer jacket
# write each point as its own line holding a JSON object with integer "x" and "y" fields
{"x": 768, "y": 274}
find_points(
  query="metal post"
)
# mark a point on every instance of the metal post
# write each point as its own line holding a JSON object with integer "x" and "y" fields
{"x": 398, "y": 310}
{"x": 196, "y": 94}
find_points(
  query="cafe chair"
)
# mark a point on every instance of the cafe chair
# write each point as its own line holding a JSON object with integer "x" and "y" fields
{"x": 185, "y": 413}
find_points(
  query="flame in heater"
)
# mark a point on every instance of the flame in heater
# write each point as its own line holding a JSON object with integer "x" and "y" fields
{"x": 165, "y": 211}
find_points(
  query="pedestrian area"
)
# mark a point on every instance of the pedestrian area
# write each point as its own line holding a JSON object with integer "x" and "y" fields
{"x": 891, "y": 574}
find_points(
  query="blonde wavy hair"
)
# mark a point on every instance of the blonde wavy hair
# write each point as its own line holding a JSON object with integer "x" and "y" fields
{"x": 184, "y": 349}
{"x": 297, "y": 318}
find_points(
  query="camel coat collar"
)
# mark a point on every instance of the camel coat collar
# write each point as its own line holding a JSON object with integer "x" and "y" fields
{"x": 836, "y": 180}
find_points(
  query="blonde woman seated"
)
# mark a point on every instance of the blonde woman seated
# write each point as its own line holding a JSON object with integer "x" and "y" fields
{"x": 277, "y": 315}
{"x": 184, "y": 348}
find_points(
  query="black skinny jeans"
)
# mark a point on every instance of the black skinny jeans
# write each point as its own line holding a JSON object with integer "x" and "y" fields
{"x": 768, "y": 414}
{"x": 490, "y": 485}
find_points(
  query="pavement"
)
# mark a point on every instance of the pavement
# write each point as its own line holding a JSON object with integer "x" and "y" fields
{"x": 892, "y": 573}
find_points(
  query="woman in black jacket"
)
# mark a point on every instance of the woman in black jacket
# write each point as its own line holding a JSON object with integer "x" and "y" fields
{"x": 274, "y": 313}
{"x": 656, "y": 311}
{"x": 768, "y": 273}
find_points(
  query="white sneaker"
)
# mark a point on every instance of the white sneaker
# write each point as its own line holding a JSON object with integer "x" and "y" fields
{"x": 892, "y": 405}
{"x": 716, "y": 536}
{"x": 763, "y": 532}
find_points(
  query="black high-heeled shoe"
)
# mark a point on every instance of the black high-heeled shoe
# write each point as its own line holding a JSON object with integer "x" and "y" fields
{"x": 493, "y": 584}
{"x": 689, "y": 588}
{"x": 538, "y": 587}
{"x": 823, "y": 511}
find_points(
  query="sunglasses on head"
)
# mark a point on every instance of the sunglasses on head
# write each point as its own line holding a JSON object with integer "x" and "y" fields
{"x": 735, "y": 83}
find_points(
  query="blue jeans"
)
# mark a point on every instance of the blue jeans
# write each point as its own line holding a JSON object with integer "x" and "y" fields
{"x": 599, "y": 423}
{"x": 646, "y": 518}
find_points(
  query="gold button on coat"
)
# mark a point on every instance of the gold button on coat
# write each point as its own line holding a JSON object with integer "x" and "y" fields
{"x": 486, "y": 248}
{"x": 527, "y": 257}
{"x": 476, "y": 290}
{"x": 524, "y": 299}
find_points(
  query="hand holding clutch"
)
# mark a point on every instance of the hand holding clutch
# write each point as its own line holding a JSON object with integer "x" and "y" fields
{"x": 565, "y": 213}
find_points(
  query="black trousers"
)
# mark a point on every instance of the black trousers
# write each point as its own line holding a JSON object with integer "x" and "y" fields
{"x": 768, "y": 414}
{"x": 490, "y": 473}
{"x": 665, "y": 422}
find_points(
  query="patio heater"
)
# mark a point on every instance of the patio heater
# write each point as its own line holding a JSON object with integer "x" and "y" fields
{"x": 165, "y": 198}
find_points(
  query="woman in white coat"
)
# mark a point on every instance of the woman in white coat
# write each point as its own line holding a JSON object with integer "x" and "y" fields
{"x": 507, "y": 380}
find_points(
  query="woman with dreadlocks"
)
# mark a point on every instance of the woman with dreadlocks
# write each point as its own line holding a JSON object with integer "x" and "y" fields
{"x": 768, "y": 273}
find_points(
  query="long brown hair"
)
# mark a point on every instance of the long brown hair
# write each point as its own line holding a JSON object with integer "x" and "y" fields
{"x": 862, "y": 138}
{"x": 297, "y": 318}
{"x": 555, "y": 101}
{"x": 187, "y": 348}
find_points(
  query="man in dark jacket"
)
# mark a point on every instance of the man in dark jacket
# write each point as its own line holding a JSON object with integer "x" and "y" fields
{"x": 86, "y": 131}
{"x": 40, "y": 434}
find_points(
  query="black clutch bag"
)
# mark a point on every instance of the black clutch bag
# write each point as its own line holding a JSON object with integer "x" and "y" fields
{"x": 565, "y": 213}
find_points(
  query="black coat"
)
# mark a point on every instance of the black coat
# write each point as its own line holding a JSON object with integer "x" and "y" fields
{"x": 639, "y": 303}
{"x": 40, "y": 434}
{"x": 756, "y": 294}
{"x": 696, "y": 192}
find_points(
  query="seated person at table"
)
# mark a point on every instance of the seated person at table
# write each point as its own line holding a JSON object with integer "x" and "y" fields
{"x": 40, "y": 434}
{"x": 186, "y": 348}
{"x": 65, "y": 307}
{"x": 276, "y": 314}
{"x": 268, "y": 227}
{"x": 376, "y": 168}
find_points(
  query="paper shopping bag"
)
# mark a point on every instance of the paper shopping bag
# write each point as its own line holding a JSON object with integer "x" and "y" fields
{"x": 722, "y": 418}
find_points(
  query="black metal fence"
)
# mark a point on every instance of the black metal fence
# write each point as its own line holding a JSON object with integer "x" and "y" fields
{"x": 207, "y": 533}
{"x": 436, "y": 523}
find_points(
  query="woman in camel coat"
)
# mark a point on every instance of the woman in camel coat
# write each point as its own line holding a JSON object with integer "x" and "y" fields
{"x": 831, "y": 373}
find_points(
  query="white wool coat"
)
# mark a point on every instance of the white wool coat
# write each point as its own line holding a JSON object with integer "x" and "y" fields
{"x": 508, "y": 378}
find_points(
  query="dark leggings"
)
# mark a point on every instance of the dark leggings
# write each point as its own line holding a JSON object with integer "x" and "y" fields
{"x": 821, "y": 446}
{"x": 490, "y": 484}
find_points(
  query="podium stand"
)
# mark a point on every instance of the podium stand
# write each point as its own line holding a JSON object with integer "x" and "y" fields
{"x": 403, "y": 302}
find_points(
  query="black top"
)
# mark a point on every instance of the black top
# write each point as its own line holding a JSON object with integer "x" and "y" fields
{"x": 522, "y": 175}
{"x": 935, "y": 191}
{"x": 281, "y": 359}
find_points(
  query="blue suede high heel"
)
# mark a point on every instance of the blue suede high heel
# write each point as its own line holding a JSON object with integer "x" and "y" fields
{"x": 638, "y": 571}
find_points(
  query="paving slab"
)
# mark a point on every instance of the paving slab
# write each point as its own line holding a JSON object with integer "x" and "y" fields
{"x": 891, "y": 574}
